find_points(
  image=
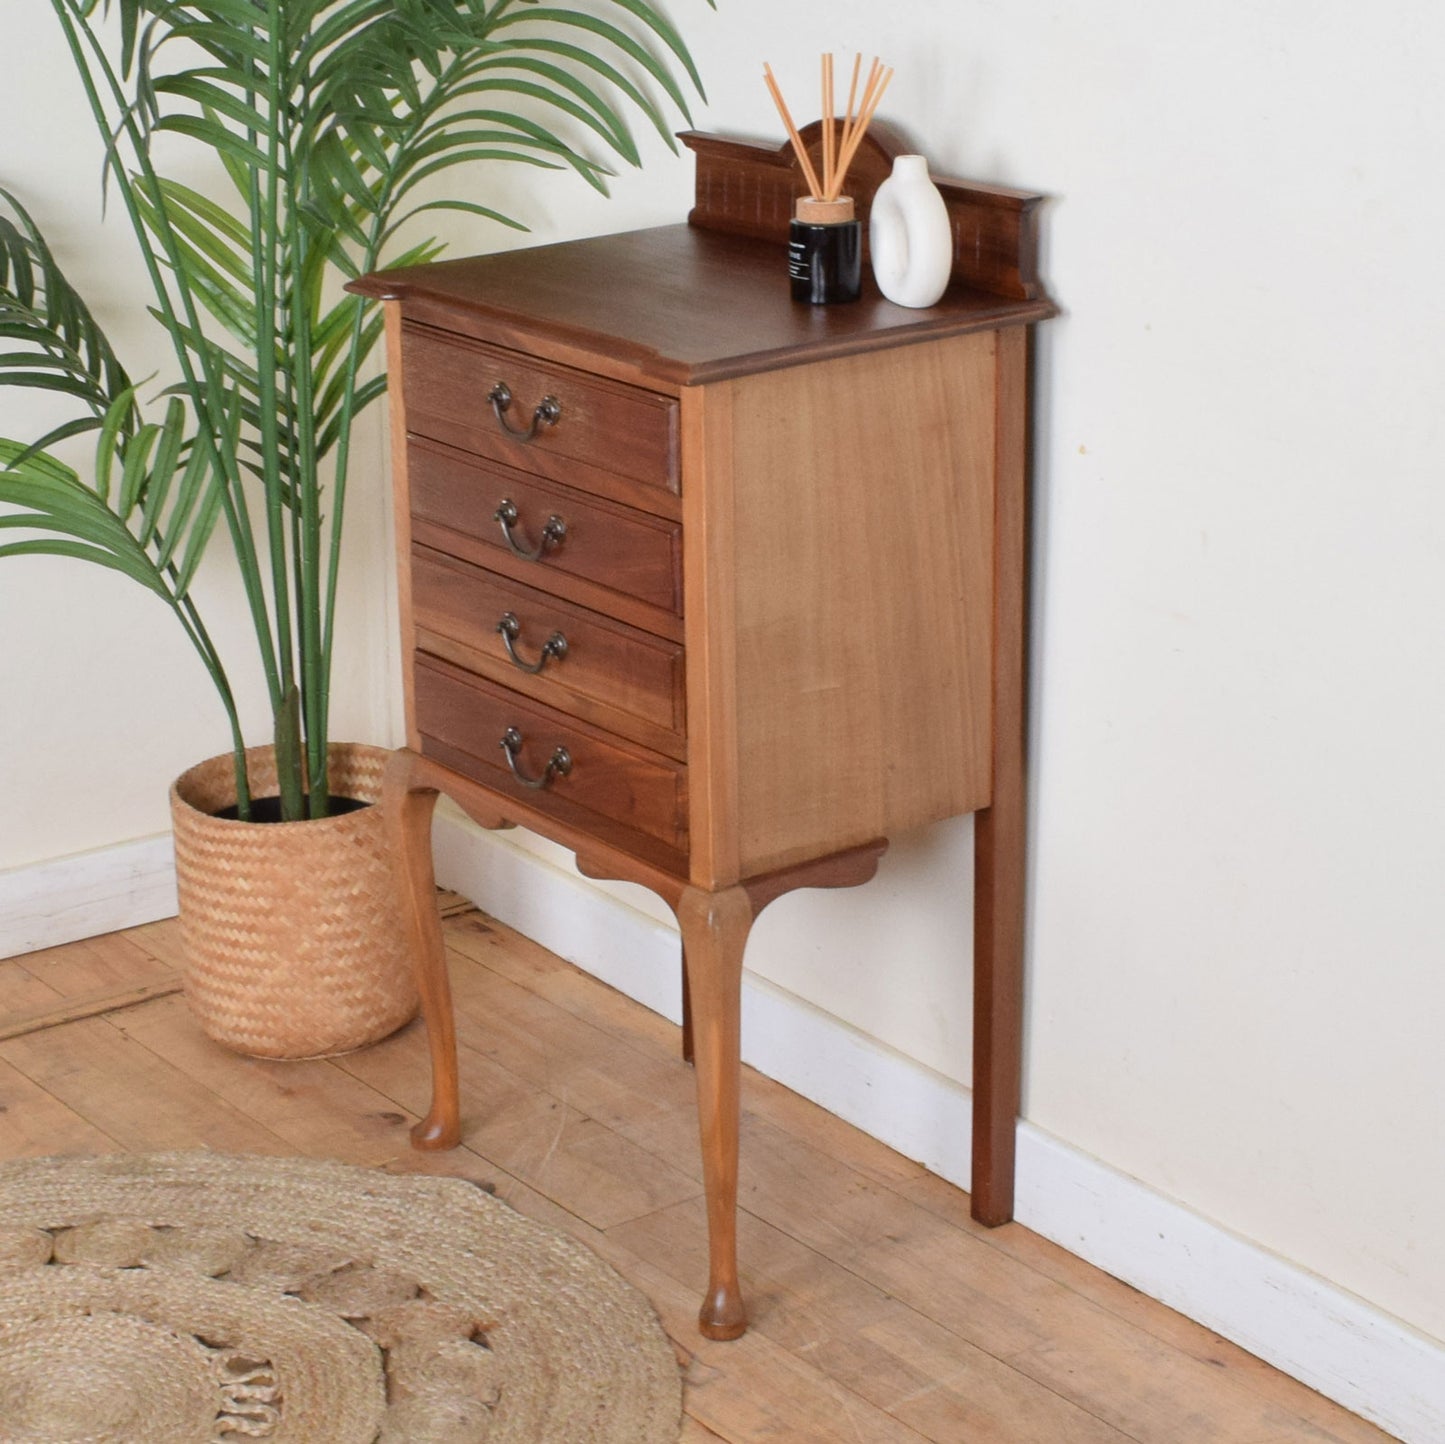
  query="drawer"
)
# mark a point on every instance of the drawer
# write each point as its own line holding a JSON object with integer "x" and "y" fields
{"x": 609, "y": 776}
{"x": 602, "y": 428}
{"x": 613, "y": 546}
{"x": 611, "y": 674}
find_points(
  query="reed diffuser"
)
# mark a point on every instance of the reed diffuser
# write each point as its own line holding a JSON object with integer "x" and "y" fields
{"x": 825, "y": 241}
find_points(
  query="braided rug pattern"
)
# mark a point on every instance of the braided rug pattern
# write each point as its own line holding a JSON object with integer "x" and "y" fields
{"x": 295, "y": 944}
{"x": 198, "y": 1298}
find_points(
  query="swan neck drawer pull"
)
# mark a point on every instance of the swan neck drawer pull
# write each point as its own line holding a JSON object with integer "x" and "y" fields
{"x": 554, "y": 532}
{"x": 511, "y": 629}
{"x": 559, "y": 764}
{"x": 548, "y": 412}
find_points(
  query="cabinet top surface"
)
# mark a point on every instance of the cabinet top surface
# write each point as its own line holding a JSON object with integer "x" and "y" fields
{"x": 676, "y": 304}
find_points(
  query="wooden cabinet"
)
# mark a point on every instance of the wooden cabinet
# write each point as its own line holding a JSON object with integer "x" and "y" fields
{"x": 719, "y": 591}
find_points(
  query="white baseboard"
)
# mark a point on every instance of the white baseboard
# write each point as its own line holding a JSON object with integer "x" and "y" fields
{"x": 83, "y": 896}
{"x": 1331, "y": 1340}
{"x": 1309, "y": 1328}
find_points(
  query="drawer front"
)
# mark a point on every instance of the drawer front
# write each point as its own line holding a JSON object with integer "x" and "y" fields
{"x": 602, "y": 670}
{"x": 600, "y": 424}
{"x": 614, "y": 546}
{"x": 469, "y": 716}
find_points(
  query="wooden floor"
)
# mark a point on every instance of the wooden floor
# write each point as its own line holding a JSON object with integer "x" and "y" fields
{"x": 881, "y": 1314}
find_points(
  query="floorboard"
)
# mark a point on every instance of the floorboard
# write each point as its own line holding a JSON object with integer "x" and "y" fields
{"x": 881, "y": 1313}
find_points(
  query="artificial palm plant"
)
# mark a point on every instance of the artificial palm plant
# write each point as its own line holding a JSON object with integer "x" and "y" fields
{"x": 332, "y": 121}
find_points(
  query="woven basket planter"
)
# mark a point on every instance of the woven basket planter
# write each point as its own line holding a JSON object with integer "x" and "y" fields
{"x": 295, "y": 945}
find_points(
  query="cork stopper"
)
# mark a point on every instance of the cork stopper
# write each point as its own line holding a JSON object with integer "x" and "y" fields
{"x": 814, "y": 212}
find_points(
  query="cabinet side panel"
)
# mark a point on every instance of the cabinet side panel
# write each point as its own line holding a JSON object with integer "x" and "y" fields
{"x": 709, "y": 568}
{"x": 401, "y": 515}
{"x": 863, "y": 543}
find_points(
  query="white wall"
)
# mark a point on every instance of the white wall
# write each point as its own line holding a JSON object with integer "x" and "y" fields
{"x": 102, "y": 700}
{"x": 1235, "y": 930}
{"x": 1234, "y": 936}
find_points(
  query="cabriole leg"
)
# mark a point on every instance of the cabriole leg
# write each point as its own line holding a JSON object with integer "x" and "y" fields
{"x": 408, "y": 811}
{"x": 714, "y": 934}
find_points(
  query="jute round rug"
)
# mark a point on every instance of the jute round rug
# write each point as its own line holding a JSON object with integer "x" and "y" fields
{"x": 196, "y": 1298}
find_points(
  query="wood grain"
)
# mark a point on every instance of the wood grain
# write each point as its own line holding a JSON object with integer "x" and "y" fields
{"x": 138, "y": 1100}
{"x": 673, "y": 306}
{"x": 408, "y": 805}
{"x": 801, "y": 1161}
{"x": 709, "y": 549}
{"x": 841, "y": 869}
{"x": 534, "y": 1134}
{"x": 401, "y": 510}
{"x": 838, "y": 564}
{"x": 894, "y": 1358}
{"x": 308, "y": 1105}
{"x": 749, "y": 190}
{"x": 22, "y": 992}
{"x": 609, "y": 776}
{"x": 615, "y": 547}
{"x": 880, "y": 1310}
{"x": 714, "y": 934}
{"x": 34, "y": 1123}
{"x": 614, "y": 676}
{"x": 603, "y": 430}
{"x": 695, "y": 1433}
{"x": 659, "y": 621}
{"x": 563, "y": 1054}
{"x": 1000, "y": 838}
{"x": 15, "y": 1023}
{"x": 162, "y": 940}
{"x": 604, "y": 848}
{"x": 857, "y": 499}
{"x": 94, "y": 967}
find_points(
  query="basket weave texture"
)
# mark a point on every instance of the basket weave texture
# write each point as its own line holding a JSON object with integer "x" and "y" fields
{"x": 293, "y": 931}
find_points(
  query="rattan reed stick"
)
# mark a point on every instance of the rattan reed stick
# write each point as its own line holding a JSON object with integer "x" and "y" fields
{"x": 864, "y": 119}
{"x": 830, "y": 149}
{"x": 850, "y": 115}
{"x": 839, "y": 144}
{"x": 799, "y": 149}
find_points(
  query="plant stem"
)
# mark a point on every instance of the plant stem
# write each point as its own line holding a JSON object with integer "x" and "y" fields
{"x": 265, "y": 209}
{"x": 200, "y": 639}
{"x": 74, "y": 25}
{"x": 308, "y": 558}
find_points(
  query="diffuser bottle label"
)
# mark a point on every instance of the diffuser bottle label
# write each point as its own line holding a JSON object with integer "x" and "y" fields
{"x": 825, "y": 261}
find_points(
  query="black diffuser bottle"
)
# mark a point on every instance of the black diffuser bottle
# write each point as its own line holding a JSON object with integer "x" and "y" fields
{"x": 825, "y": 251}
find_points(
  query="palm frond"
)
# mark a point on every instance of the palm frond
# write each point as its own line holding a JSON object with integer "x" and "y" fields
{"x": 50, "y": 498}
{"x": 64, "y": 347}
{"x": 331, "y": 120}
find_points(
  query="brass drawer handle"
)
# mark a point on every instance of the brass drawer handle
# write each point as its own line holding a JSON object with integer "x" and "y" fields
{"x": 511, "y": 629}
{"x": 547, "y": 413}
{"x": 554, "y": 532}
{"x": 558, "y": 765}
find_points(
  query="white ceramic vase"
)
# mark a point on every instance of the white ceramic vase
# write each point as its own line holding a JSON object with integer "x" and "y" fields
{"x": 910, "y": 235}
